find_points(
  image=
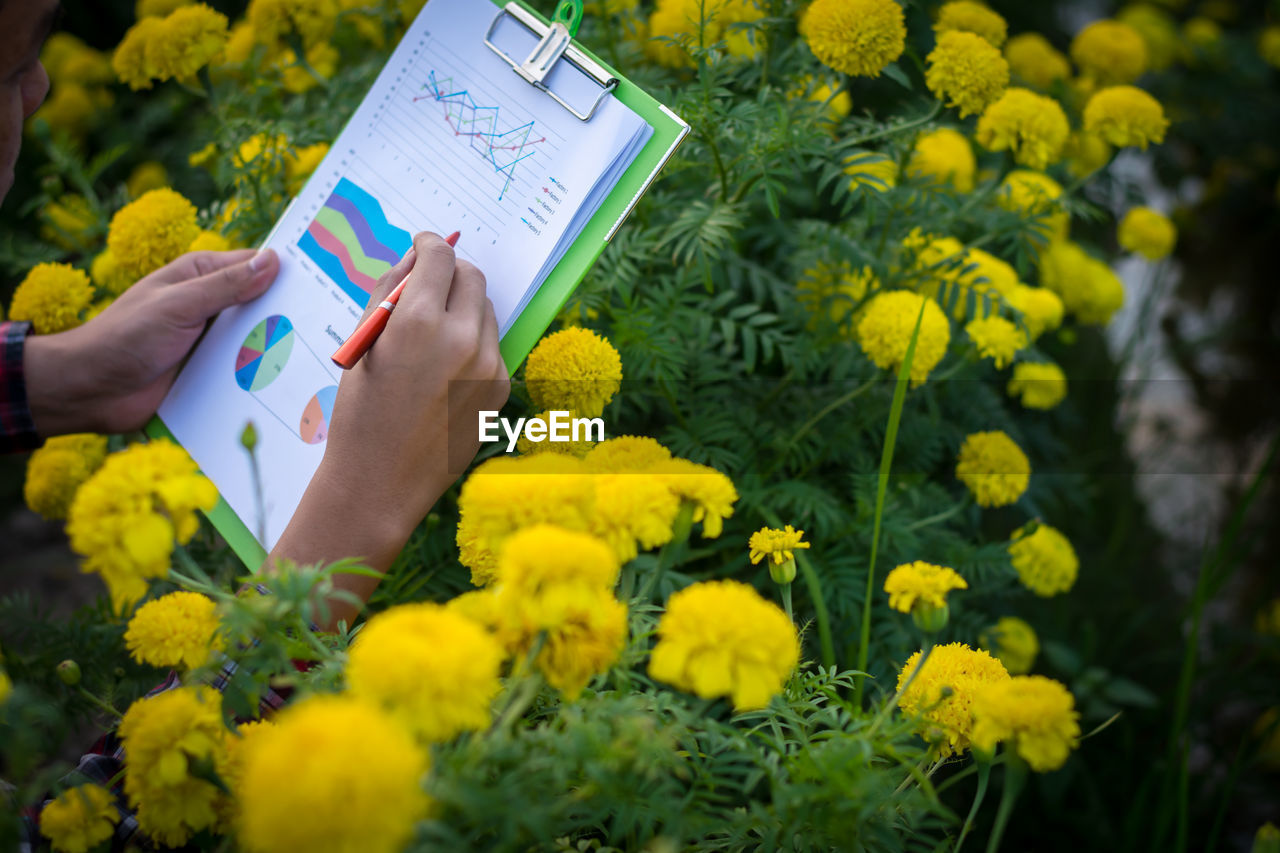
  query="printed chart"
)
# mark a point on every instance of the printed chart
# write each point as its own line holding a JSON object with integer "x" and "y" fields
{"x": 314, "y": 428}
{"x": 273, "y": 349}
{"x": 351, "y": 240}
{"x": 264, "y": 353}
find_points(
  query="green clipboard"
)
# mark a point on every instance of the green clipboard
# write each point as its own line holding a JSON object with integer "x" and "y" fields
{"x": 669, "y": 130}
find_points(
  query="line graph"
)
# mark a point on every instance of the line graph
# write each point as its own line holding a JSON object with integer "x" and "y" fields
{"x": 503, "y": 149}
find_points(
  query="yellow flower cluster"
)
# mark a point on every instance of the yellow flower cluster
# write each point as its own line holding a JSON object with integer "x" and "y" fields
{"x": 1032, "y": 127}
{"x": 78, "y": 96}
{"x": 858, "y": 37}
{"x": 69, "y": 222}
{"x": 150, "y": 232}
{"x": 944, "y": 156}
{"x": 966, "y": 72}
{"x": 1158, "y": 30}
{"x": 432, "y": 668}
{"x": 1088, "y": 287}
{"x": 171, "y": 48}
{"x": 1269, "y": 45}
{"x": 146, "y": 177}
{"x": 1013, "y": 642}
{"x": 677, "y": 22}
{"x": 778, "y": 546}
{"x": 125, "y": 518}
{"x": 720, "y": 638}
{"x": 272, "y": 21}
{"x": 179, "y": 629}
{"x": 1036, "y": 196}
{"x": 573, "y": 370}
{"x": 79, "y": 819}
{"x": 1147, "y": 232}
{"x": 51, "y": 298}
{"x": 996, "y": 338}
{"x": 971, "y": 17}
{"x": 885, "y": 330}
{"x": 323, "y": 752}
{"x": 835, "y": 290}
{"x": 1039, "y": 385}
{"x": 941, "y": 694}
{"x": 1125, "y": 115}
{"x": 1041, "y": 309}
{"x": 1035, "y": 61}
{"x": 1044, "y": 559}
{"x": 57, "y": 469}
{"x": 921, "y": 582}
{"x": 947, "y": 270}
{"x": 874, "y": 171}
{"x": 1109, "y": 52}
{"x": 994, "y": 468}
{"x": 1034, "y": 714}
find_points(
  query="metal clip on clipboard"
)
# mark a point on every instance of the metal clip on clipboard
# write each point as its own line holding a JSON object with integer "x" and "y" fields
{"x": 556, "y": 44}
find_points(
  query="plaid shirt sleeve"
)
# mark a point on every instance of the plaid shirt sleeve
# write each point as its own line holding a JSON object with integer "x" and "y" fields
{"x": 104, "y": 762}
{"x": 17, "y": 430}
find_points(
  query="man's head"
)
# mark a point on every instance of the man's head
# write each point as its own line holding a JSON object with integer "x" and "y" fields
{"x": 24, "y": 25}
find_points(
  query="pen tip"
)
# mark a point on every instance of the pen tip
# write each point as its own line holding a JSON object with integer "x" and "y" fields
{"x": 452, "y": 239}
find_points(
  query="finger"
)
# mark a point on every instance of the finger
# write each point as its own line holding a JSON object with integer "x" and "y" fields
{"x": 467, "y": 293}
{"x": 388, "y": 282}
{"x": 197, "y": 265}
{"x": 196, "y": 300}
{"x": 432, "y": 274}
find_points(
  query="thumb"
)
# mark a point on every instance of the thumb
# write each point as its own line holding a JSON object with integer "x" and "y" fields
{"x": 197, "y": 299}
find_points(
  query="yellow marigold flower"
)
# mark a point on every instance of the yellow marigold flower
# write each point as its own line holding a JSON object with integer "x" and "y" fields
{"x": 230, "y": 766}
{"x": 312, "y": 20}
{"x": 560, "y": 582}
{"x": 431, "y": 667}
{"x": 1036, "y": 715}
{"x": 1269, "y": 46}
{"x": 994, "y": 468}
{"x": 163, "y": 735}
{"x": 1088, "y": 287}
{"x": 179, "y": 629}
{"x": 70, "y": 223}
{"x": 301, "y": 162}
{"x": 921, "y": 582}
{"x": 158, "y": 8}
{"x": 970, "y": 17}
{"x": 146, "y": 177}
{"x": 73, "y": 110}
{"x": 884, "y": 332}
{"x": 1037, "y": 195}
{"x": 1040, "y": 385}
{"x": 241, "y": 42}
{"x": 720, "y": 638}
{"x": 835, "y": 290}
{"x": 209, "y": 241}
{"x": 633, "y": 510}
{"x": 506, "y": 494}
{"x": 574, "y": 447}
{"x": 834, "y": 97}
{"x": 1041, "y": 308}
{"x": 711, "y": 493}
{"x": 106, "y": 274}
{"x": 1266, "y": 839}
{"x": 1013, "y": 642}
{"x": 966, "y": 72}
{"x": 778, "y": 545}
{"x": 1147, "y": 232}
{"x": 1159, "y": 32}
{"x": 79, "y": 819}
{"x": 872, "y": 170}
{"x": 189, "y": 38}
{"x": 204, "y": 157}
{"x": 1201, "y": 39}
{"x": 1109, "y": 52}
{"x": 1087, "y": 153}
{"x": 67, "y": 59}
{"x": 1035, "y": 61}
{"x": 626, "y": 453}
{"x": 57, "y": 469}
{"x": 706, "y": 23}
{"x": 941, "y": 693}
{"x": 1044, "y": 559}
{"x": 996, "y": 338}
{"x": 131, "y": 62}
{"x": 126, "y": 517}
{"x": 51, "y": 298}
{"x": 948, "y": 271}
{"x": 362, "y": 791}
{"x": 1033, "y": 127}
{"x": 148, "y": 233}
{"x": 944, "y": 156}
{"x": 1125, "y": 115}
{"x": 265, "y": 152}
{"x": 573, "y": 369}
{"x": 323, "y": 59}
{"x": 858, "y": 37}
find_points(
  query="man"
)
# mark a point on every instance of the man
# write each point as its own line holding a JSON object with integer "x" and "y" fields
{"x": 395, "y": 422}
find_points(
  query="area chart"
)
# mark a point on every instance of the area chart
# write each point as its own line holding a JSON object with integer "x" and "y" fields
{"x": 351, "y": 240}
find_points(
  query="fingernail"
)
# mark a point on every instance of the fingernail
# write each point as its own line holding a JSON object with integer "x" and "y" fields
{"x": 260, "y": 261}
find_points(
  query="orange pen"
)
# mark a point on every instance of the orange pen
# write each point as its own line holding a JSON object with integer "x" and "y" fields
{"x": 364, "y": 336}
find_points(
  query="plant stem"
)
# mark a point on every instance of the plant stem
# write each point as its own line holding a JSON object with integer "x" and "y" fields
{"x": 786, "y": 602}
{"x": 890, "y": 131}
{"x": 893, "y": 703}
{"x": 101, "y": 704}
{"x": 1015, "y": 776}
{"x": 814, "y": 586}
{"x": 886, "y": 461}
{"x": 984, "y": 775}
{"x": 941, "y": 516}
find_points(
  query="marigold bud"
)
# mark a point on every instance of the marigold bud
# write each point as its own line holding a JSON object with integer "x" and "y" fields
{"x": 249, "y": 438}
{"x": 783, "y": 573}
{"x": 69, "y": 673}
{"x": 930, "y": 618}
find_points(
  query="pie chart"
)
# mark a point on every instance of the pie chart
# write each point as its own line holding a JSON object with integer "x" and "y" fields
{"x": 264, "y": 353}
{"x": 314, "y": 427}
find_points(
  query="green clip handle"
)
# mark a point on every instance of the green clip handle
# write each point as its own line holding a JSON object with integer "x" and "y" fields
{"x": 569, "y": 13}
